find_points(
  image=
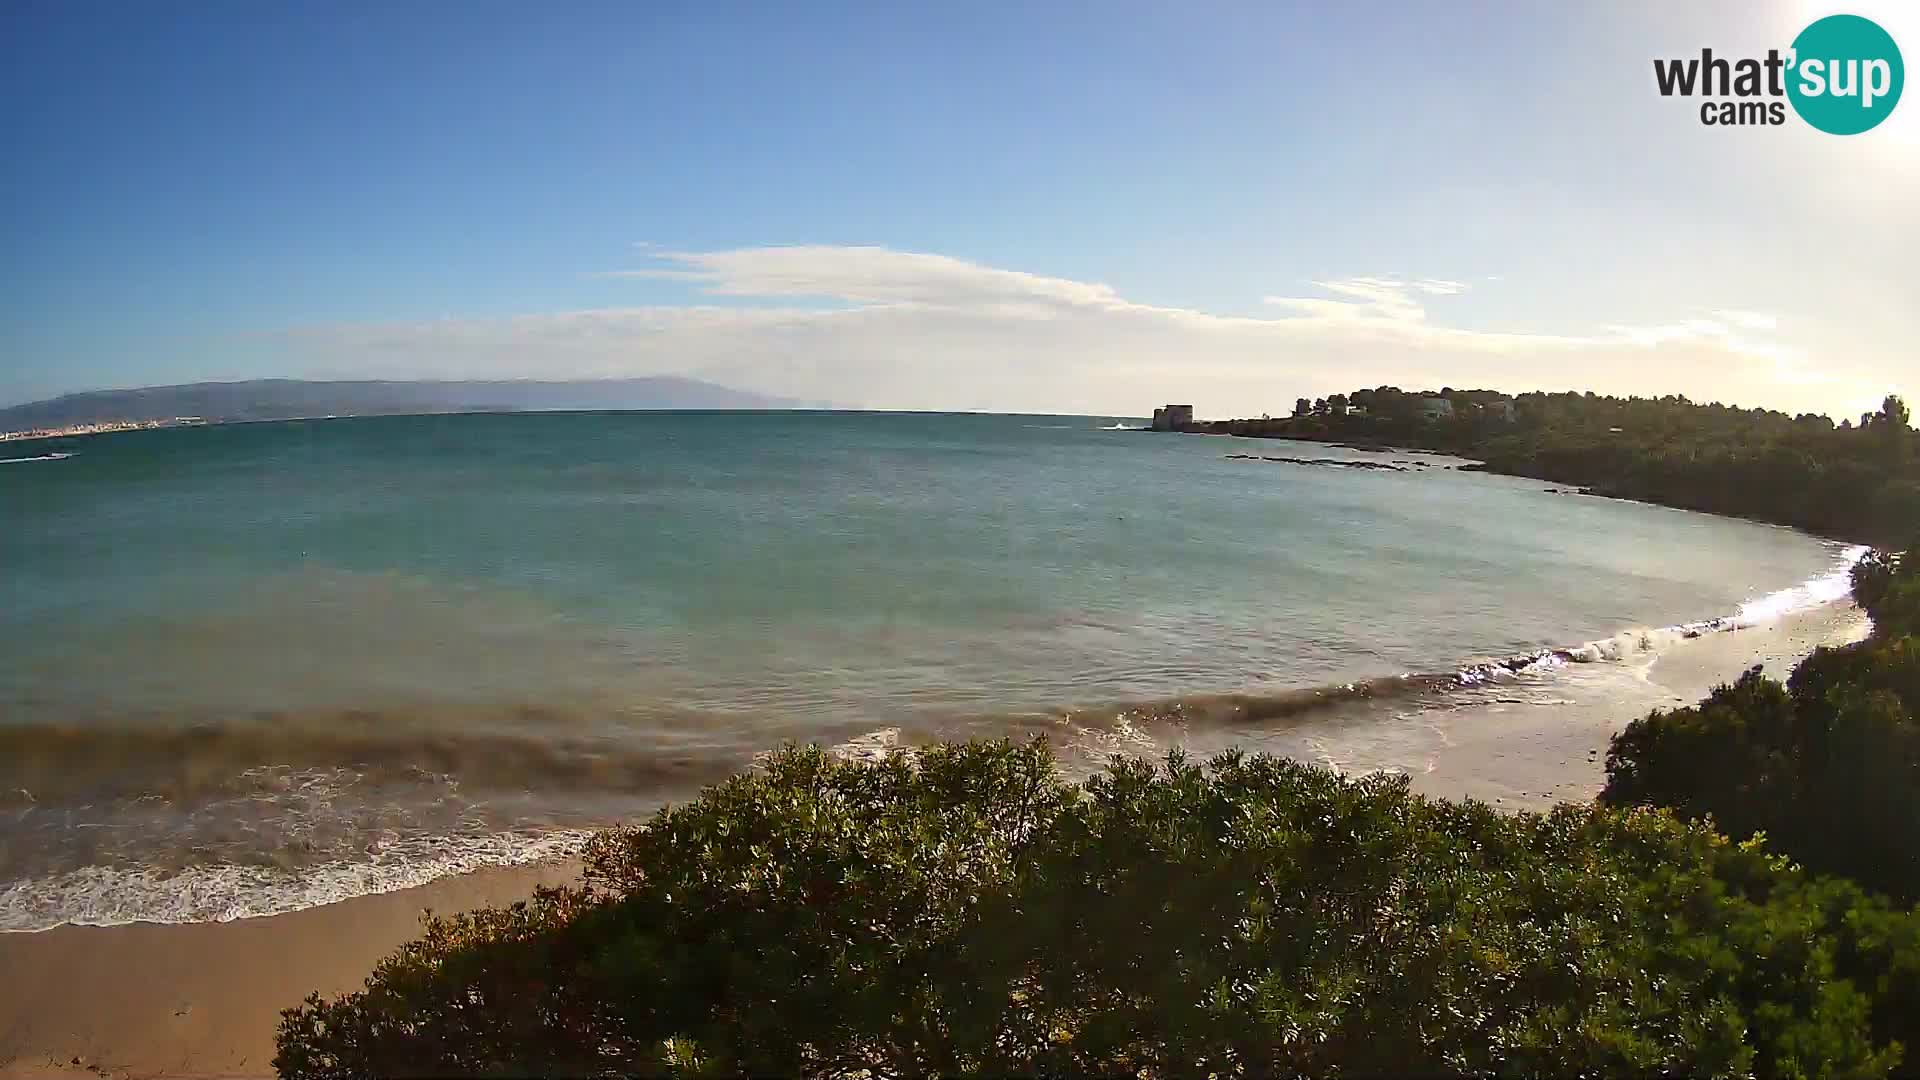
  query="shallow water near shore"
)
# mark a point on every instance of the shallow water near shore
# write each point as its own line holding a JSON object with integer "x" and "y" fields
{"x": 250, "y": 668}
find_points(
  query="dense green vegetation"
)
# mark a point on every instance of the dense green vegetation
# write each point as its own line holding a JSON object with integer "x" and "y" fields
{"x": 1856, "y": 481}
{"x": 1827, "y": 766}
{"x": 964, "y": 910}
{"x": 967, "y": 911}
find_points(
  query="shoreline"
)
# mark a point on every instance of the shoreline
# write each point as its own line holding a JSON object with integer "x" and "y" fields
{"x": 203, "y": 999}
{"x": 1533, "y": 757}
{"x": 1478, "y": 465}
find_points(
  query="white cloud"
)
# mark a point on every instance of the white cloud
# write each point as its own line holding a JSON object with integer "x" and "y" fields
{"x": 871, "y": 276}
{"x": 1368, "y": 298}
{"x": 1748, "y": 320}
{"x": 909, "y": 330}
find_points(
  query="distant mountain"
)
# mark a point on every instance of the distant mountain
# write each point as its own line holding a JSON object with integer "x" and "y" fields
{"x": 282, "y": 399}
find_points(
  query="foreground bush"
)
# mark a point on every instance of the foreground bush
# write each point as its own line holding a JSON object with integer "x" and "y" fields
{"x": 1827, "y": 766}
{"x": 972, "y": 913}
{"x": 1887, "y": 585}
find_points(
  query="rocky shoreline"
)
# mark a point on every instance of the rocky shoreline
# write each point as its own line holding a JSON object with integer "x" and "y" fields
{"x": 1399, "y": 465}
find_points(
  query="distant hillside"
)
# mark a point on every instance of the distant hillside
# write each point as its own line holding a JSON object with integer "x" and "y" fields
{"x": 280, "y": 399}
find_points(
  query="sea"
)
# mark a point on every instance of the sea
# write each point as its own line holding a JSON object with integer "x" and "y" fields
{"x": 249, "y": 668}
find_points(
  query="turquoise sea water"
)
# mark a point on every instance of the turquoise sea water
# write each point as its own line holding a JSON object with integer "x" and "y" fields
{"x": 250, "y": 667}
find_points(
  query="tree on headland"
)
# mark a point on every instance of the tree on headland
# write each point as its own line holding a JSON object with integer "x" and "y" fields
{"x": 1892, "y": 425}
{"x": 1859, "y": 483}
{"x": 1893, "y": 412}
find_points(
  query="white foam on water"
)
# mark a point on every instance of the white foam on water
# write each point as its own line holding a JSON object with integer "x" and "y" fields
{"x": 1121, "y": 736}
{"x": 1831, "y": 586}
{"x": 1630, "y": 643}
{"x": 42, "y": 457}
{"x": 873, "y": 747}
{"x": 110, "y": 896}
{"x": 1834, "y": 585}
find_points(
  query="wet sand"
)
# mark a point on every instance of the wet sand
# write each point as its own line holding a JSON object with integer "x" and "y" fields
{"x": 1534, "y": 756}
{"x": 204, "y": 1000}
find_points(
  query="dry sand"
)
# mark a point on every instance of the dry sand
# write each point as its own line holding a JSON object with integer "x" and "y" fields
{"x": 1534, "y": 756}
{"x": 204, "y": 1000}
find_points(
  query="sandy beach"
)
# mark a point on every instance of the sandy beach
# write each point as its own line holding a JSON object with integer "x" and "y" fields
{"x": 203, "y": 999}
{"x": 1534, "y": 756}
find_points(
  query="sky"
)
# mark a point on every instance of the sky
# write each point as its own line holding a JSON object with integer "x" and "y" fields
{"x": 1059, "y": 207}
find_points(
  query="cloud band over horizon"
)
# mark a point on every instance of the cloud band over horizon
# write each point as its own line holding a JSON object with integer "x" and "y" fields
{"x": 873, "y": 327}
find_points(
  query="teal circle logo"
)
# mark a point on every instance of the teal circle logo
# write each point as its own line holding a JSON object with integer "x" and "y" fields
{"x": 1845, "y": 75}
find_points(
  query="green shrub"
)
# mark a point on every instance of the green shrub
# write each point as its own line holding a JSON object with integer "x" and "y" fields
{"x": 1734, "y": 758}
{"x": 967, "y": 911}
{"x": 964, "y": 910}
{"x": 1887, "y": 585}
{"x": 1828, "y": 766}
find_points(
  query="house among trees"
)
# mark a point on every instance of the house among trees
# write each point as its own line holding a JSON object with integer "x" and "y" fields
{"x": 1436, "y": 408}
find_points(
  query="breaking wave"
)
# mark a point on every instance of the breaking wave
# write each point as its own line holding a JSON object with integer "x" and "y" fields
{"x": 1826, "y": 588}
{"x": 110, "y": 896}
{"x": 65, "y": 762}
{"x": 148, "y": 777}
{"x": 1093, "y": 733}
{"x": 1119, "y": 725}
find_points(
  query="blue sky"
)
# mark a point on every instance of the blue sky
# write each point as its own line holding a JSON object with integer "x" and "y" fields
{"x": 1050, "y": 207}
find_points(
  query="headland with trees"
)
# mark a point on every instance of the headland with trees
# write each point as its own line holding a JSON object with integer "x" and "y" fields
{"x": 1857, "y": 480}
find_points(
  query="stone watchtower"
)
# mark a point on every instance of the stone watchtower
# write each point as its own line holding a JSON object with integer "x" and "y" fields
{"x": 1173, "y": 418}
